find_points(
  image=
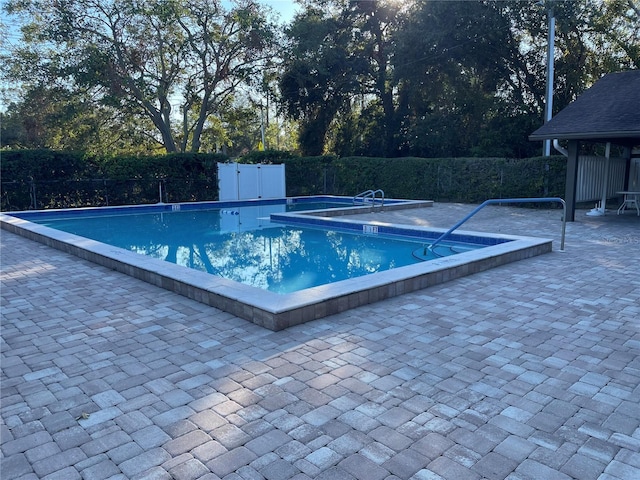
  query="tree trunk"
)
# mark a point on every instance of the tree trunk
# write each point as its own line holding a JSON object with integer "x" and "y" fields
{"x": 167, "y": 138}
{"x": 197, "y": 131}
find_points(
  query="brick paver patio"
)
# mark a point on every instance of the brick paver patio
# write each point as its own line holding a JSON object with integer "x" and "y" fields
{"x": 527, "y": 371}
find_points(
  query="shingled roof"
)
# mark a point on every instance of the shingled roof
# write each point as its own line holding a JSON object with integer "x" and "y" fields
{"x": 608, "y": 111}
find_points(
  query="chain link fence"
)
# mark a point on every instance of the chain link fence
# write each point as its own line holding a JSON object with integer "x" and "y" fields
{"x": 444, "y": 180}
{"x": 29, "y": 194}
{"x": 471, "y": 180}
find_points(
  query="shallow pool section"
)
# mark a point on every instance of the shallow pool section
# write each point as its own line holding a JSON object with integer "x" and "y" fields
{"x": 299, "y": 304}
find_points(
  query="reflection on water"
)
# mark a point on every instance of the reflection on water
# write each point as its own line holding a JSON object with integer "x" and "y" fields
{"x": 283, "y": 259}
{"x": 246, "y": 247}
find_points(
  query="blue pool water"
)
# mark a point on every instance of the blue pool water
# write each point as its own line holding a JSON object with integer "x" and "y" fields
{"x": 243, "y": 244}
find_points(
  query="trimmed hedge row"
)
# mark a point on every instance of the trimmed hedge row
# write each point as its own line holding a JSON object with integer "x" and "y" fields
{"x": 53, "y": 179}
{"x": 49, "y": 179}
{"x": 467, "y": 180}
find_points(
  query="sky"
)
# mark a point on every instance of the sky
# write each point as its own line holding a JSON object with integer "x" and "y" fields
{"x": 286, "y": 8}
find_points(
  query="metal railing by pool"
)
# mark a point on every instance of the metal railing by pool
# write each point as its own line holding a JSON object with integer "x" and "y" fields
{"x": 495, "y": 201}
{"x": 369, "y": 196}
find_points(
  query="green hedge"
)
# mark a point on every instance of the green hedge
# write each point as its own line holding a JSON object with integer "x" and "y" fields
{"x": 50, "y": 179}
{"x": 467, "y": 180}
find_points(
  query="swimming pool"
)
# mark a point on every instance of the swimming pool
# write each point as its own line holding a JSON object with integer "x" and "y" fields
{"x": 243, "y": 244}
{"x": 302, "y": 300}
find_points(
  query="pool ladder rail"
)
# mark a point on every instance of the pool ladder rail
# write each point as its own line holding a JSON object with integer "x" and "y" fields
{"x": 369, "y": 197}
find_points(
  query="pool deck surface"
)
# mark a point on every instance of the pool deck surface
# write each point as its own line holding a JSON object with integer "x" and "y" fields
{"x": 527, "y": 371}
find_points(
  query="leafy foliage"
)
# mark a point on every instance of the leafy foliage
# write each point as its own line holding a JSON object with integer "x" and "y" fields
{"x": 48, "y": 179}
{"x": 441, "y": 179}
{"x": 148, "y": 59}
{"x": 380, "y": 78}
{"x": 53, "y": 179}
{"x": 453, "y": 78}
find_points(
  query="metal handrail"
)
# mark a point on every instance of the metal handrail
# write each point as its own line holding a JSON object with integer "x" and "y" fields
{"x": 381, "y": 197}
{"x": 363, "y": 195}
{"x": 370, "y": 194}
{"x": 494, "y": 201}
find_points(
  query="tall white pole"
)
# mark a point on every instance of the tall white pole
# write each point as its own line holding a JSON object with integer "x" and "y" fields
{"x": 548, "y": 107}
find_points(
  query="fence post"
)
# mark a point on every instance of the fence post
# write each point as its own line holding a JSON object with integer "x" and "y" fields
{"x": 106, "y": 191}
{"x": 546, "y": 179}
{"x": 324, "y": 175}
{"x": 32, "y": 194}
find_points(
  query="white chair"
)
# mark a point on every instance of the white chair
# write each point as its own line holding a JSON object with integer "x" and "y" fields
{"x": 631, "y": 200}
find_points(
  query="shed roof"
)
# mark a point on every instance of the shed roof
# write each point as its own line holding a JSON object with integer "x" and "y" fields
{"x": 608, "y": 111}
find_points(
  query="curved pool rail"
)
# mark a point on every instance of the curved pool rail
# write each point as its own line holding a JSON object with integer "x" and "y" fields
{"x": 497, "y": 201}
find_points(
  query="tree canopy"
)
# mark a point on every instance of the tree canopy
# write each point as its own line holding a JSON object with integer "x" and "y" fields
{"x": 434, "y": 78}
{"x": 159, "y": 61}
{"x": 358, "y": 77}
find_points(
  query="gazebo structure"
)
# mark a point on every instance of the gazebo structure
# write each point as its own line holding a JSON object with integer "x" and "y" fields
{"x": 608, "y": 112}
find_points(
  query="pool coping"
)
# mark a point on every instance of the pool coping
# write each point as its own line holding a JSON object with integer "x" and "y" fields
{"x": 277, "y": 311}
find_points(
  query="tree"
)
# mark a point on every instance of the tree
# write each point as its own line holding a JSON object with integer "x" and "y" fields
{"x": 618, "y": 34}
{"x": 52, "y": 117}
{"x": 444, "y": 78}
{"x": 340, "y": 49}
{"x": 166, "y": 61}
{"x": 376, "y": 26}
{"x": 454, "y": 74}
{"x": 319, "y": 74}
